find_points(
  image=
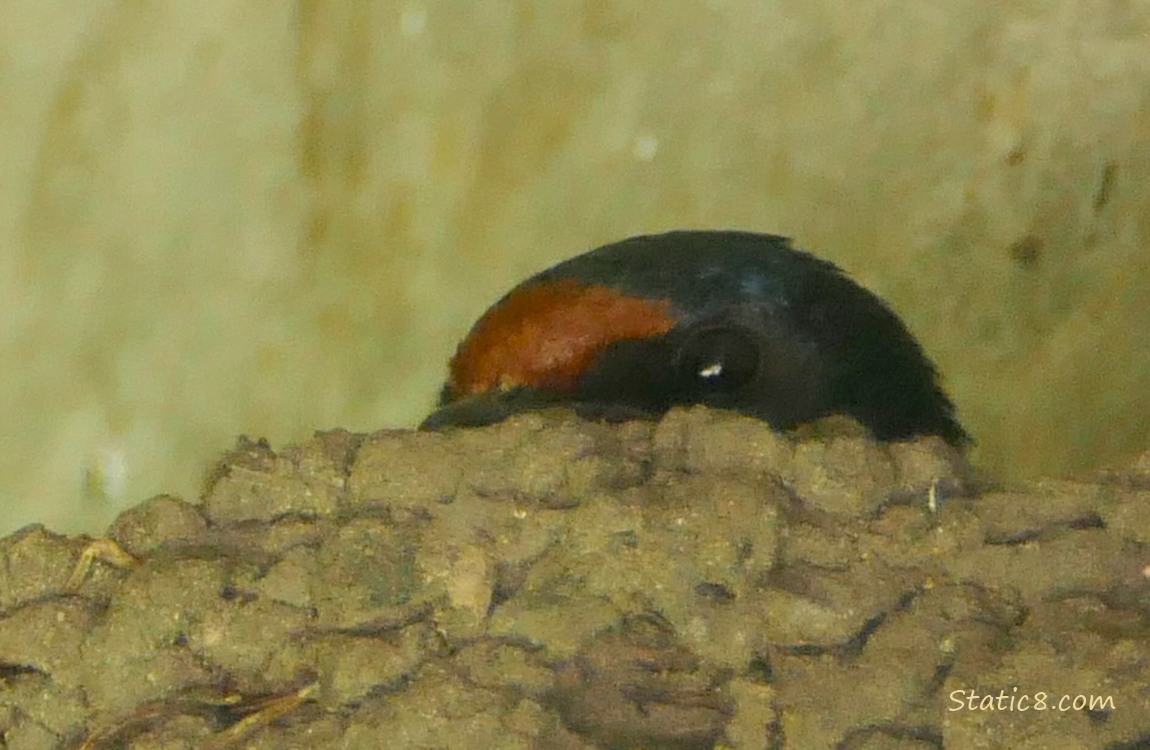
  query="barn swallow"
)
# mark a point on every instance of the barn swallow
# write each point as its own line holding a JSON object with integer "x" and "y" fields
{"x": 732, "y": 320}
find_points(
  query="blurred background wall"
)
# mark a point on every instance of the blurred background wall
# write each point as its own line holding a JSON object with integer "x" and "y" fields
{"x": 268, "y": 217}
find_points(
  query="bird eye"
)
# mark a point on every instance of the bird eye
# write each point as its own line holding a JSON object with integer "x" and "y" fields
{"x": 718, "y": 360}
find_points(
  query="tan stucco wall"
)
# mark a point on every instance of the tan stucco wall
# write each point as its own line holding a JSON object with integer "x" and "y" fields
{"x": 266, "y": 217}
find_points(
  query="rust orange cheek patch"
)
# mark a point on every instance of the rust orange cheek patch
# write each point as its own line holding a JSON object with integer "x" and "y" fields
{"x": 547, "y": 336}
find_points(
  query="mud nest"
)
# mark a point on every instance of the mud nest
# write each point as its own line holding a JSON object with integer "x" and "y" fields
{"x": 555, "y": 583}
